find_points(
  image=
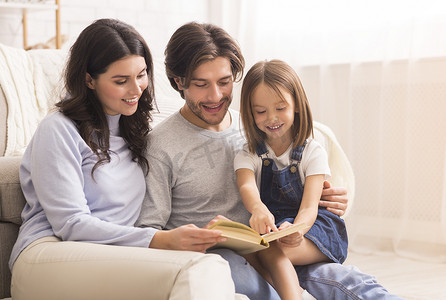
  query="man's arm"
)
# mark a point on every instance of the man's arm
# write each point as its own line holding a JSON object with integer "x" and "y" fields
{"x": 157, "y": 204}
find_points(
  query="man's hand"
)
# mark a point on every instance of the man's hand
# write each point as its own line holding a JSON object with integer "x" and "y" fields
{"x": 217, "y": 218}
{"x": 334, "y": 199}
{"x": 187, "y": 237}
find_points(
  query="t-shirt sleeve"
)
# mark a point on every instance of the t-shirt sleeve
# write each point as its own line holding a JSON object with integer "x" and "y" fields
{"x": 245, "y": 160}
{"x": 315, "y": 160}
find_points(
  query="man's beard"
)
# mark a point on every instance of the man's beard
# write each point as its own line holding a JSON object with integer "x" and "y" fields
{"x": 197, "y": 110}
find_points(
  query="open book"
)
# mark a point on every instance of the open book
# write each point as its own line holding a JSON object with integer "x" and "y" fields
{"x": 243, "y": 239}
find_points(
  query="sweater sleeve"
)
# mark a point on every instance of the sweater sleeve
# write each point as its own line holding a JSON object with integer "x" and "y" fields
{"x": 53, "y": 182}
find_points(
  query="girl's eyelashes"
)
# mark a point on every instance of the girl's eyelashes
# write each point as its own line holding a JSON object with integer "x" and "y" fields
{"x": 263, "y": 111}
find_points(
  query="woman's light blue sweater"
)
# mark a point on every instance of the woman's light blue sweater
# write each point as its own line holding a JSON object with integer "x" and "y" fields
{"x": 63, "y": 199}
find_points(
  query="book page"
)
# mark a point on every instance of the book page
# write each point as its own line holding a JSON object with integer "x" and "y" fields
{"x": 237, "y": 229}
{"x": 281, "y": 233}
{"x": 240, "y": 238}
{"x": 239, "y": 233}
{"x": 243, "y": 239}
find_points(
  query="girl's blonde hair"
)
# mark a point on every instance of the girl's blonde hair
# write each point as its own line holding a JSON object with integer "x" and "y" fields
{"x": 275, "y": 74}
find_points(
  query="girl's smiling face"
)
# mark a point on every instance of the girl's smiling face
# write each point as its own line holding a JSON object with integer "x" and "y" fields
{"x": 273, "y": 114}
{"x": 121, "y": 86}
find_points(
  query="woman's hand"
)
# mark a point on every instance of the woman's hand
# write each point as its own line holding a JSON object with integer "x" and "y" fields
{"x": 187, "y": 237}
{"x": 334, "y": 199}
{"x": 292, "y": 240}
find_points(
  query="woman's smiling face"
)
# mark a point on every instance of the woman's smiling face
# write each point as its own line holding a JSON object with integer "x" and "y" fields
{"x": 121, "y": 86}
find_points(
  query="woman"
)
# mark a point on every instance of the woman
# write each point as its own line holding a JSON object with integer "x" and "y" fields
{"x": 83, "y": 179}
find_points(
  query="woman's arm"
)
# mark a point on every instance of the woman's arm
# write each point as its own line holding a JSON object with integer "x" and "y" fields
{"x": 187, "y": 237}
{"x": 53, "y": 182}
{"x": 261, "y": 219}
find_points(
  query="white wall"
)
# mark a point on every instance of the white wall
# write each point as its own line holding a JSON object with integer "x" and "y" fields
{"x": 156, "y": 20}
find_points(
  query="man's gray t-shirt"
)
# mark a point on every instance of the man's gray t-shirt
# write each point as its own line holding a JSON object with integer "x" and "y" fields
{"x": 191, "y": 177}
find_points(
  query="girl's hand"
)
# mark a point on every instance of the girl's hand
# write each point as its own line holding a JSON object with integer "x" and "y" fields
{"x": 187, "y": 237}
{"x": 292, "y": 240}
{"x": 262, "y": 220}
{"x": 284, "y": 225}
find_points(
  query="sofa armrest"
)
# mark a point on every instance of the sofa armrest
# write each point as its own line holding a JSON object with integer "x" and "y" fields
{"x": 12, "y": 200}
{"x": 3, "y": 121}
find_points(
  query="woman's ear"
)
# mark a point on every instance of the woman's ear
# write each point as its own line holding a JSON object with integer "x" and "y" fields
{"x": 89, "y": 81}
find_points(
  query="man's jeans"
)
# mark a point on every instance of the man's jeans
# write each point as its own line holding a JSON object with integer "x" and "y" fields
{"x": 322, "y": 280}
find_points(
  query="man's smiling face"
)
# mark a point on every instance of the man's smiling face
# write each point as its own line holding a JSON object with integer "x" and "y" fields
{"x": 209, "y": 94}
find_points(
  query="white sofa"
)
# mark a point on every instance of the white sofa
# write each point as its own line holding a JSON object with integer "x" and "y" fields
{"x": 30, "y": 83}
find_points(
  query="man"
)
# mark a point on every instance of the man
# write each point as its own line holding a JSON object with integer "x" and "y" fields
{"x": 192, "y": 180}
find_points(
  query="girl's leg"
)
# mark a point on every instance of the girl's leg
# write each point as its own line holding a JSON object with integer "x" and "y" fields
{"x": 247, "y": 279}
{"x": 50, "y": 269}
{"x": 306, "y": 253}
{"x": 254, "y": 261}
{"x": 279, "y": 270}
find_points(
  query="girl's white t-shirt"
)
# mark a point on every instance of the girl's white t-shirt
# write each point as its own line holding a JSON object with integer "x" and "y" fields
{"x": 314, "y": 161}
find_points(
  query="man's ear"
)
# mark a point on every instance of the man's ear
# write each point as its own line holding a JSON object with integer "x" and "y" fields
{"x": 89, "y": 81}
{"x": 178, "y": 82}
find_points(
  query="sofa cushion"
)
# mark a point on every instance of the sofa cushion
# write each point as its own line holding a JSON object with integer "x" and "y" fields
{"x": 8, "y": 236}
{"x": 31, "y": 82}
{"x": 12, "y": 200}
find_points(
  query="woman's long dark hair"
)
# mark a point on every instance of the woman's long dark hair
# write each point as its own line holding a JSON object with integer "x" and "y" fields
{"x": 102, "y": 43}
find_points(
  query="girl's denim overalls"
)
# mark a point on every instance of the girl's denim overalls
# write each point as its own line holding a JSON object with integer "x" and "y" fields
{"x": 282, "y": 190}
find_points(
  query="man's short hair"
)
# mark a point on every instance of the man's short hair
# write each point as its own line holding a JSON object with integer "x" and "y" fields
{"x": 193, "y": 44}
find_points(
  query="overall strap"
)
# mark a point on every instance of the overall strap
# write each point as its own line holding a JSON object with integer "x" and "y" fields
{"x": 261, "y": 149}
{"x": 296, "y": 153}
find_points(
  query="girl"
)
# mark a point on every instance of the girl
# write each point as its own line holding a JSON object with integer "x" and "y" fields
{"x": 279, "y": 158}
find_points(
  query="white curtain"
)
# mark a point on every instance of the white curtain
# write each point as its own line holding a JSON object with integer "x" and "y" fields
{"x": 375, "y": 72}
